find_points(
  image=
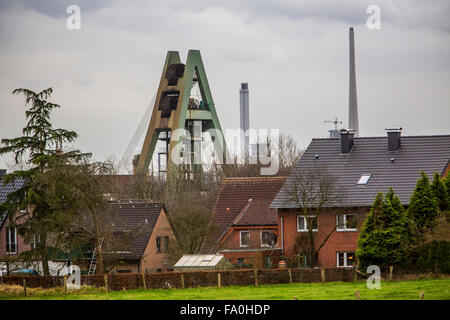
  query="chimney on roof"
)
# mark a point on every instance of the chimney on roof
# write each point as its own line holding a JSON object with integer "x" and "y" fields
{"x": 394, "y": 139}
{"x": 347, "y": 138}
{"x": 2, "y": 172}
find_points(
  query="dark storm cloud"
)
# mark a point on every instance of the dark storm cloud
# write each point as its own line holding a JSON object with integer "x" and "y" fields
{"x": 293, "y": 54}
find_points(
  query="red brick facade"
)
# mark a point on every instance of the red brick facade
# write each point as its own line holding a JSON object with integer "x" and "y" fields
{"x": 339, "y": 241}
{"x": 254, "y": 254}
{"x": 21, "y": 245}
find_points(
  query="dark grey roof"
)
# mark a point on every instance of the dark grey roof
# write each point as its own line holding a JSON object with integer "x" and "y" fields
{"x": 370, "y": 155}
{"x": 131, "y": 222}
{"x": 6, "y": 189}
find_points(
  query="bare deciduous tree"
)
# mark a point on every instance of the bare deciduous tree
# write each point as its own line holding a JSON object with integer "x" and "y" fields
{"x": 311, "y": 191}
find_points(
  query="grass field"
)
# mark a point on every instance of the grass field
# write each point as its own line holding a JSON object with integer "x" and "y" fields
{"x": 395, "y": 290}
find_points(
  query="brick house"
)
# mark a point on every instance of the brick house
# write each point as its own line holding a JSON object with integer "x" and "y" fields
{"x": 141, "y": 230}
{"x": 11, "y": 243}
{"x": 137, "y": 237}
{"x": 359, "y": 167}
{"x": 242, "y": 223}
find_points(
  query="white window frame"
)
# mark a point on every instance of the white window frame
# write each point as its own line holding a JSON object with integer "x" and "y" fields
{"x": 262, "y": 244}
{"x": 8, "y": 233}
{"x": 240, "y": 239}
{"x": 35, "y": 241}
{"x": 345, "y": 228}
{"x": 345, "y": 258}
{"x": 306, "y": 224}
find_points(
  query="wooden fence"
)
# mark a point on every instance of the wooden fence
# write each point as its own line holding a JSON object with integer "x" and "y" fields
{"x": 191, "y": 279}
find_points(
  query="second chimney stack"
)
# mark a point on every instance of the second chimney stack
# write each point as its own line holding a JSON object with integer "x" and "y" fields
{"x": 394, "y": 139}
{"x": 347, "y": 139}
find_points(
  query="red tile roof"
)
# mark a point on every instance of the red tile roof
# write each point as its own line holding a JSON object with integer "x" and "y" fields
{"x": 256, "y": 213}
{"x": 234, "y": 195}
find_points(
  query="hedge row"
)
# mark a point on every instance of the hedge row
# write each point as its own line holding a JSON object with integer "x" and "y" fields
{"x": 431, "y": 256}
{"x": 191, "y": 279}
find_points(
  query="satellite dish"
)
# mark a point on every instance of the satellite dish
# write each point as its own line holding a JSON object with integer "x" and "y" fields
{"x": 272, "y": 239}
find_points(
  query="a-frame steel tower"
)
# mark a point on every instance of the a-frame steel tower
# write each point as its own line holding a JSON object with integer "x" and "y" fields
{"x": 176, "y": 108}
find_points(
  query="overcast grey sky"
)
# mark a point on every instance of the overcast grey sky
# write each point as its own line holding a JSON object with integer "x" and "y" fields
{"x": 293, "y": 54}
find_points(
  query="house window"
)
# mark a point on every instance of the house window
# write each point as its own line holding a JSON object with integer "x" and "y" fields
{"x": 158, "y": 244}
{"x": 165, "y": 244}
{"x": 35, "y": 241}
{"x": 265, "y": 238}
{"x": 11, "y": 240}
{"x": 346, "y": 222}
{"x": 245, "y": 238}
{"x": 302, "y": 223}
{"x": 345, "y": 259}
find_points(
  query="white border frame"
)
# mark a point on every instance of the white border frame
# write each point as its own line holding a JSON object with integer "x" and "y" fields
{"x": 261, "y": 238}
{"x": 345, "y": 229}
{"x": 306, "y": 224}
{"x": 240, "y": 239}
{"x": 8, "y": 233}
{"x": 345, "y": 258}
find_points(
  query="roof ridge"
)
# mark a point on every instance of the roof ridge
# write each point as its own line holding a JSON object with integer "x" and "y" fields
{"x": 385, "y": 136}
{"x": 135, "y": 201}
{"x": 254, "y": 178}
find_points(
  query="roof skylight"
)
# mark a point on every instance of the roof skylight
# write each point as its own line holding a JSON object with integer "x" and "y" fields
{"x": 364, "y": 179}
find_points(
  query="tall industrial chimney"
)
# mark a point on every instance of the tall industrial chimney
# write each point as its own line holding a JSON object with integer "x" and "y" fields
{"x": 245, "y": 122}
{"x": 353, "y": 123}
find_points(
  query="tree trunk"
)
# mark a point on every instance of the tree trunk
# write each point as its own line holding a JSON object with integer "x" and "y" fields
{"x": 8, "y": 265}
{"x": 99, "y": 257}
{"x": 98, "y": 245}
{"x": 312, "y": 251}
{"x": 44, "y": 260}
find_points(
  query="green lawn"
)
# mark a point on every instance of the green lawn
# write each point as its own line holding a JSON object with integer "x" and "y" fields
{"x": 402, "y": 290}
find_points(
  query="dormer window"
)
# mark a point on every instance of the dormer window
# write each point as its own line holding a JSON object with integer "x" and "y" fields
{"x": 364, "y": 178}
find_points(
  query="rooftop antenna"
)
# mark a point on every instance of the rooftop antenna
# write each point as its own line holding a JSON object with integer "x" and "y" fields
{"x": 335, "y": 122}
{"x": 334, "y": 133}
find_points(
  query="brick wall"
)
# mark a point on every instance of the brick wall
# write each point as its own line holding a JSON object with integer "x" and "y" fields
{"x": 255, "y": 253}
{"x": 233, "y": 239}
{"x": 255, "y": 258}
{"x": 152, "y": 260}
{"x": 338, "y": 241}
{"x": 21, "y": 245}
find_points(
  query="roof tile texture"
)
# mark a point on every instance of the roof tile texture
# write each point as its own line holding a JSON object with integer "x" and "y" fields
{"x": 397, "y": 169}
{"x": 233, "y": 195}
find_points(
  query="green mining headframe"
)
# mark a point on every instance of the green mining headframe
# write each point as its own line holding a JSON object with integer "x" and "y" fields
{"x": 175, "y": 109}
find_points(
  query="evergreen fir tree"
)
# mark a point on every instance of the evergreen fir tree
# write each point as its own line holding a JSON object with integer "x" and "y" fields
{"x": 39, "y": 144}
{"x": 440, "y": 192}
{"x": 367, "y": 252}
{"x": 423, "y": 208}
{"x": 384, "y": 233}
{"x": 447, "y": 186}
